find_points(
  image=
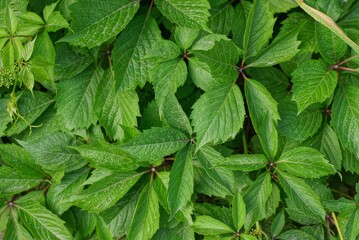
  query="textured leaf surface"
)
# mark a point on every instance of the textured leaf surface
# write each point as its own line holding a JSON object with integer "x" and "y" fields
{"x": 207, "y": 225}
{"x": 296, "y": 234}
{"x": 96, "y": 22}
{"x": 180, "y": 186}
{"x": 345, "y": 118}
{"x": 106, "y": 192}
{"x": 352, "y": 228}
{"x": 259, "y": 27}
{"x": 155, "y": 143}
{"x": 218, "y": 115}
{"x": 145, "y": 221}
{"x": 128, "y": 56}
{"x": 305, "y": 162}
{"x": 187, "y": 13}
{"x": 314, "y": 82}
{"x": 244, "y": 162}
{"x": 255, "y": 199}
{"x": 42, "y": 223}
{"x": 302, "y": 196}
{"x": 263, "y": 110}
{"x": 238, "y": 211}
{"x": 75, "y": 99}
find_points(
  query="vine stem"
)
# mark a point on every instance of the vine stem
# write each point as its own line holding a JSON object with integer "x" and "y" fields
{"x": 337, "y": 226}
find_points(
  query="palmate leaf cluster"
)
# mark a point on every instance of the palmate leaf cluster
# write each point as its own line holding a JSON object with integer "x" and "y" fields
{"x": 163, "y": 119}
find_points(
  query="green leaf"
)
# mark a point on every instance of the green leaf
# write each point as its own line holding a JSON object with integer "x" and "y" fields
{"x": 28, "y": 50}
{"x": 12, "y": 182}
{"x": 277, "y": 224}
{"x": 131, "y": 47}
{"x": 107, "y": 20}
{"x": 51, "y": 152}
{"x": 282, "y": 6}
{"x": 305, "y": 162}
{"x": 42, "y": 223}
{"x": 27, "y": 78}
{"x": 185, "y": 36}
{"x": 296, "y": 126}
{"x": 314, "y": 82}
{"x": 221, "y": 59}
{"x": 209, "y": 159}
{"x": 31, "y": 106}
{"x": 180, "y": 232}
{"x": 218, "y": 115}
{"x": 115, "y": 109}
{"x": 346, "y": 106}
{"x": 259, "y": 28}
{"x": 283, "y": 48}
{"x": 295, "y": 234}
{"x": 155, "y": 143}
{"x": 102, "y": 230}
{"x": 104, "y": 155}
{"x": 237, "y": 24}
{"x": 75, "y": 99}
{"x": 244, "y": 162}
{"x": 10, "y": 21}
{"x": 164, "y": 50}
{"x": 107, "y": 191}
{"x": 352, "y": 228}
{"x": 303, "y": 197}
{"x": 180, "y": 186}
{"x": 186, "y": 13}
{"x": 201, "y": 74}
{"x": 14, "y": 230}
{"x": 238, "y": 211}
{"x": 263, "y": 110}
{"x": 221, "y": 18}
{"x": 207, "y": 225}
{"x": 245, "y": 236}
{"x": 255, "y": 199}
{"x": 58, "y": 196}
{"x": 167, "y": 77}
{"x": 330, "y": 46}
{"x": 4, "y": 116}
{"x": 55, "y": 21}
{"x": 145, "y": 221}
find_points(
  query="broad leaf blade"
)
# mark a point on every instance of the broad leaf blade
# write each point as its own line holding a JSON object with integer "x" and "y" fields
{"x": 244, "y": 162}
{"x": 145, "y": 221}
{"x": 238, "y": 211}
{"x": 155, "y": 143}
{"x": 187, "y": 13}
{"x": 207, "y": 225}
{"x": 218, "y": 115}
{"x": 346, "y": 106}
{"x": 42, "y": 223}
{"x": 180, "y": 186}
{"x": 314, "y": 82}
{"x": 106, "y": 21}
{"x": 302, "y": 196}
{"x": 305, "y": 162}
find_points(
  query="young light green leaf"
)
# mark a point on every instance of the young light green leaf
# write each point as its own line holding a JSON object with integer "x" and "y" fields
{"x": 302, "y": 196}
{"x": 75, "y": 99}
{"x": 263, "y": 110}
{"x": 27, "y": 78}
{"x": 186, "y": 13}
{"x": 107, "y": 191}
{"x": 130, "y": 50}
{"x": 12, "y": 182}
{"x": 10, "y": 21}
{"x": 218, "y": 115}
{"x": 238, "y": 211}
{"x": 314, "y": 82}
{"x": 58, "y": 196}
{"x": 346, "y": 106}
{"x": 42, "y": 223}
{"x": 51, "y": 152}
{"x": 107, "y": 20}
{"x": 180, "y": 186}
{"x": 277, "y": 224}
{"x": 115, "y": 109}
{"x": 167, "y": 77}
{"x": 330, "y": 46}
{"x": 259, "y": 28}
{"x": 245, "y": 236}
{"x": 244, "y": 162}
{"x": 305, "y": 162}
{"x": 209, "y": 159}
{"x": 221, "y": 59}
{"x": 28, "y": 50}
{"x": 207, "y": 225}
{"x": 56, "y": 22}
{"x": 255, "y": 199}
{"x": 283, "y": 48}
{"x": 185, "y": 36}
{"x": 145, "y": 221}
{"x": 155, "y": 143}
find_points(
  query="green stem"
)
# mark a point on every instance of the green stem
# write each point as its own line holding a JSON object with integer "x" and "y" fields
{"x": 337, "y": 226}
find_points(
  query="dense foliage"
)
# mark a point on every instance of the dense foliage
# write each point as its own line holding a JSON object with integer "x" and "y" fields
{"x": 179, "y": 119}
